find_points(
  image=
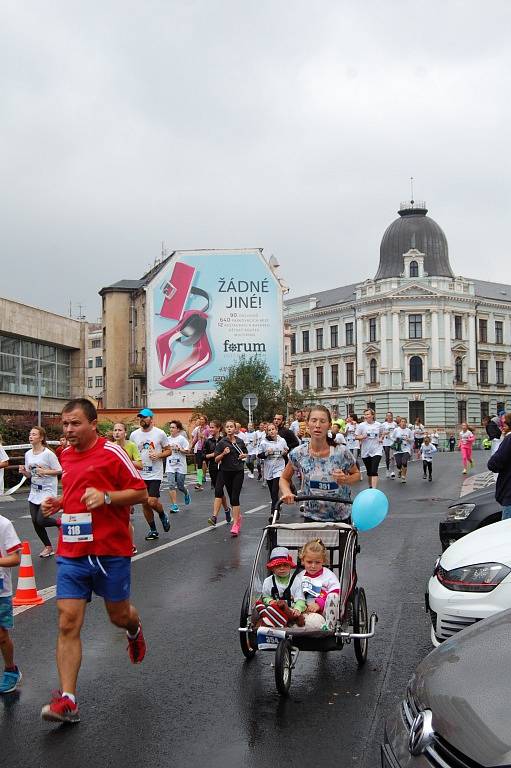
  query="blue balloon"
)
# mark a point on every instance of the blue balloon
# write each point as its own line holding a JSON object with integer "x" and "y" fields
{"x": 369, "y": 509}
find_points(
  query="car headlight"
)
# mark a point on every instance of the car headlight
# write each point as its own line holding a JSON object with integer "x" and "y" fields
{"x": 460, "y": 511}
{"x": 482, "y": 577}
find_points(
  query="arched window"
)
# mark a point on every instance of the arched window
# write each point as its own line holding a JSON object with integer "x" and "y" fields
{"x": 458, "y": 369}
{"x": 414, "y": 269}
{"x": 373, "y": 371}
{"x": 416, "y": 368}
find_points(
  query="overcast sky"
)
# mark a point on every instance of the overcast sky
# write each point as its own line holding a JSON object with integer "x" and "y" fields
{"x": 293, "y": 125}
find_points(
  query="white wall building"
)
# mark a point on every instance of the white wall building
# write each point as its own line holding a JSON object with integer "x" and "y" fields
{"x": 94, "y": 381}
{"x": 416, "y": 339}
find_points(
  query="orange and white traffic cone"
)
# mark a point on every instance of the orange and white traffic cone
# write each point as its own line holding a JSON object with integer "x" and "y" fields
{"x": 26, "y": 593}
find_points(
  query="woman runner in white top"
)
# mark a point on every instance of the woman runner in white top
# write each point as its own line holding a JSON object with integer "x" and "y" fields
{"x": 352, "y": 443}
{"x": 388, "y": 426}
{"x": 369, "y": 435}
{"x": 402, "y": 447}
{"x": 272, "y": 449}
{"x": 41, "y": 467}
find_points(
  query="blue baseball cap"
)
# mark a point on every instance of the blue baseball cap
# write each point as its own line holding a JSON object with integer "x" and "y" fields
{"x": 146, "y": 413}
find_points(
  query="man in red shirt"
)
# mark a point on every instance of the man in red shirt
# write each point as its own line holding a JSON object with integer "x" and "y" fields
{"x": 99, "y": 485}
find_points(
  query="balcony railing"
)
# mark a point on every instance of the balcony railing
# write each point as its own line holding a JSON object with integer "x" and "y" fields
{"x": 137, "y": 369}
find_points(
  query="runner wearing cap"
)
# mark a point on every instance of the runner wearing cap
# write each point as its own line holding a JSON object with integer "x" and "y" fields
{"x": 99, "y": 484}
{"x": 154, "y": 446}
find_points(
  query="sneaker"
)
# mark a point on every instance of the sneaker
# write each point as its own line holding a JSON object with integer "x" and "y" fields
{"x": 187, "y": 498}
{"x": 166, "y": 522}
{"x": 174, "y": 508}
{"x": 235, "y": 528}
{"x": 424, "y": 477}
{"x": 198, "y": 486}
{"x": 10, "y": 681}
{"x": 392, "y": 474}
{"x": 152, "y": 535}
{"x": 60, "y": 709}
{"x": 212, "y": 520}
{"x": 464, "y": 472}
{"x": 251, "y": 475}
{"x": 46, "y": 552}
{"x": 403, "y": 479}
{"x": 430, "y": 479}
{"x": 228, "y": 516}
{"x": 134, "y": 551}
{"x": 136, "y": 646}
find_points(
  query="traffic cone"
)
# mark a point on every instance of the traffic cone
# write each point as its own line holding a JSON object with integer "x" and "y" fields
{"x": 26, "y": 593}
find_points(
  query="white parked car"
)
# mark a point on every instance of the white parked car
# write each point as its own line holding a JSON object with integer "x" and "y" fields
{"x": 471, "y": 581}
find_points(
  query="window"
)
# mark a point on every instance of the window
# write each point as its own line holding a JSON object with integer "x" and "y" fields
{"x": 99, "y": 362}
{"x": 334, "y": 372}
{"x": 90, "y": 363}
{"x": 499, "y": 367}
{"x": 334, "y": 336}
{"x": 415, "y": 326}
{"x": 99, "y": 381}
{"x": 458, "y": 327}
{"x": 499, "y": 332}
{"x": 485, "y": 409}
{"x": 348, "y": 327}
{"x": 96, "y": 343}
{"x": 370, "y": 405}
{"x": 458, "y": 370}
{"x": 373, "y": 371}
{"x": 483, "y": 331}
{"x": 462, "y": 411}
{"x": 350, "y": 375}
{"x": 319, "y": 338}
{"x": 27, "y": 368}
{"x": 319, "y": 377}
{"x": 416, "y": 411}
{"x": 483, "y": 371}
{"x": 305, "y": 341}
{"x": 414, "y": 269}
{"x": 416, "y": 368}
{"x": 89, "y": 382}
{"x": 501, "y": 407}
{"x": 305, "y": 378}
{"x": 293, "y": 343}
{"x": 372, "y": 329}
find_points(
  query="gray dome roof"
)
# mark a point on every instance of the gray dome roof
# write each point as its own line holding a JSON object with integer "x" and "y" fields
{"x": 413, "y": 229}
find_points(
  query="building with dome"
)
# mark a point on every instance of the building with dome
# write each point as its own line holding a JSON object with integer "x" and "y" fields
{"x": 416, "y": 339}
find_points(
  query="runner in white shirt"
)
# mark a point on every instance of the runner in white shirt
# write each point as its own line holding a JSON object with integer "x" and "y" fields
{"x": 176, "y": 464}
{"x": 295, "y": 425}
{"x": 371, "y": 448}
{"x": 388, "y": 426}
{"x": 249, "y": 438}
{"x": 427, "y": 451}
{"x": 352, "y": 444}
{"x": 153, "y": 446}
{"x": 402, "y": 447}
{"x": 41, "y": 467}
{"x": 260, "y": 434}
{"x": 273, "y": 449}
{"x": 337, "y": 435}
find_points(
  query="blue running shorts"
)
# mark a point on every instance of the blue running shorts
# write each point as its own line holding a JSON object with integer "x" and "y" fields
{"x": 79, "y": 577}
{"x": 6, "y": 614}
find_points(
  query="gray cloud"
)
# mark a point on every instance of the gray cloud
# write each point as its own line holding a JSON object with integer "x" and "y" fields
{"x": 293, "y": 126}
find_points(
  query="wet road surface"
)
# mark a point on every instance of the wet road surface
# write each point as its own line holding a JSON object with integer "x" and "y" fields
{"x": 194, "y": 700}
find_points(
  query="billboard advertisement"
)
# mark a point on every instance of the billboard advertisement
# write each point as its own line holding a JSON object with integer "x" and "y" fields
{"x": 206, "y": 310}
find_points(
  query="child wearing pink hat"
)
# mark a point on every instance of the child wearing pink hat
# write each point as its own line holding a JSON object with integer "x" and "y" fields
{"x": 282, "y": 600}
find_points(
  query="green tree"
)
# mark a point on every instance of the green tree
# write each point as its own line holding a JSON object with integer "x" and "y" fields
{"x": 250, "y": 375}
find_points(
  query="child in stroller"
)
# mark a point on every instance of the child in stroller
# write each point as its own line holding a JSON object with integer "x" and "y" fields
{"x": 282, "y": 601}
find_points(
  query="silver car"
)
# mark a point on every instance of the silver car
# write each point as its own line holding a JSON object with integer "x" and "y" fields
{"x": 457, "y": 710}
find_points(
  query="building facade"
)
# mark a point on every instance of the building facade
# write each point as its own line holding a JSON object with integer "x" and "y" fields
{"x": 42, "y": 359}
{"x": 94, "y": 363}
{"x": 416, "y": 339}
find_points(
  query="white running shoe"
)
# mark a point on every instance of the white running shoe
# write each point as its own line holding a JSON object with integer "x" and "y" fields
{"x": 251, "y": 475}
{"x": 392, "y": 474}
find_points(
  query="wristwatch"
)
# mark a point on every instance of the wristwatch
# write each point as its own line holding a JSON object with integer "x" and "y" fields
{"x": 108, "y": 498}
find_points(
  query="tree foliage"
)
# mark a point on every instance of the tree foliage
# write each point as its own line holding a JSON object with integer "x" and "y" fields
{"x": 250, "y": 375}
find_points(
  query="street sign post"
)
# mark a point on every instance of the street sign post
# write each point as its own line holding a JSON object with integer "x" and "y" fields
{"x": 249, "y": 403}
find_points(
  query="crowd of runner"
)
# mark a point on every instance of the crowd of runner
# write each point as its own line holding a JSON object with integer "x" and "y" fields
{"x": 104, "y": 478}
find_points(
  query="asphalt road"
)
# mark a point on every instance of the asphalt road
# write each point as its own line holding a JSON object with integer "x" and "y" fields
{"x": 195, "y": 701}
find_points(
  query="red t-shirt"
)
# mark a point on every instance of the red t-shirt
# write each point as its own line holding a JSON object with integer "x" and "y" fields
{"x": 105, "y": 530}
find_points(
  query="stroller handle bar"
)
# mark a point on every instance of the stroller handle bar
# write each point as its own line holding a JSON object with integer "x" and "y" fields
{"x": 299, "y": 499}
